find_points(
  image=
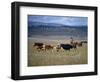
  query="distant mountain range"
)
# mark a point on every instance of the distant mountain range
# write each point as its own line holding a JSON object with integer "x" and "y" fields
{"x": 30, "y": 23}
{"x": 53, "y": 29}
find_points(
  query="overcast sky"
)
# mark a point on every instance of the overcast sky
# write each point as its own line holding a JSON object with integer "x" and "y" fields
{"x": 66, "y": 20}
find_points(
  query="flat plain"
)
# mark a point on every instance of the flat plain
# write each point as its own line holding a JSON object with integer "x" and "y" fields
{"x": 52, "y": 57}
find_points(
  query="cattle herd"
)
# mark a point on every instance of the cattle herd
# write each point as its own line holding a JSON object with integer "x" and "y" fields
{"x": 73, "y": 45}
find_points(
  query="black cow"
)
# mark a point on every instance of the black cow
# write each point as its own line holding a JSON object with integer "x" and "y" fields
{"x": 66, "y": 46}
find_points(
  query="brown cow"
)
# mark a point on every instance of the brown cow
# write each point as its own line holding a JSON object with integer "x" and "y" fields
{"x": 38, "y": 46}
{"x": 74, "y": 44}
{"x": 48, "y": 47}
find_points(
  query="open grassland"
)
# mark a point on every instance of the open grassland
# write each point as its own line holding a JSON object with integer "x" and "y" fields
{"x": 52, "y": 57}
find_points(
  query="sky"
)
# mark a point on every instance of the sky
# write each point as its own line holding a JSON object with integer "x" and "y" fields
{"x": 65, "y": 20}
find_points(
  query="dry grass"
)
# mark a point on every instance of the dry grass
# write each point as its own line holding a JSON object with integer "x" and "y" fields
{"x": 52, "y": 57}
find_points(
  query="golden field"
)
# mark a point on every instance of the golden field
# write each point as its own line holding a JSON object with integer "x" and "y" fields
{"x": 52, "y": 57}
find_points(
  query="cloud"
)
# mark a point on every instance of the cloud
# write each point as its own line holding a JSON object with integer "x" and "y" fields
{"x": 66, "y": 20}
